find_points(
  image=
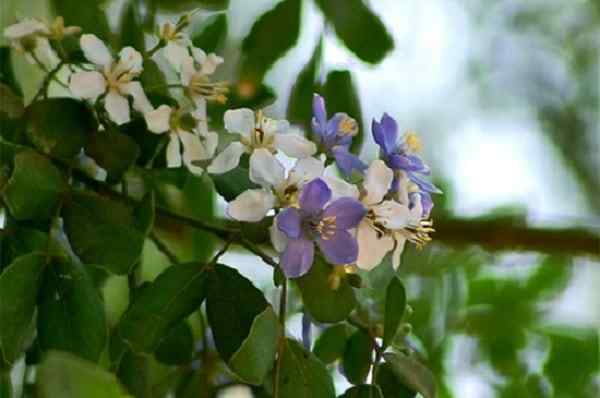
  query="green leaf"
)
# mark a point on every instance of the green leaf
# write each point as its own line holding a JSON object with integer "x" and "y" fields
{"x": 134, "y": 373}
{"x": 229, "y": 185}
{"x": 91, "y": 17}
{"x": 395, "y": 305}
{"x": 186, "y": 5}
{"x": 34, "y": 173}
{"x": 211, "y": 33}
{"x": 243, "y": 324}
{"x": 272, "y": 35}
{"x": 158, "y": 308}
{"x": 104, "y": 232}
{"x": 66, "y": 376}
{"x": 363, "y": 391}
{"x": 137, "y": 129}
{"x": 358, "y": 356}
{"x": 5, "y": 385}
{"x": 341, "y": 96}
{"x": 322, "y": 302}
{"x": 331, "y": 344}
{"x": 113, "y": 151}
{"x": 390, "y": 384}
{"x": 177, "y": 347}
{"x": 361, "y": 31}
{"x": 7, "y": 75}
{"x": 59, "y": 127}
{"x": 71, "y": 313}
{"x": 19, "y": 285}
{"x": 412, "y": 374}
{"x": 10, "y": 104}
{"x": 300, "y": 103}
{"x": 303, "y": 375}
{"x": 132, "y": 33}
{"x": 20, "y": 241}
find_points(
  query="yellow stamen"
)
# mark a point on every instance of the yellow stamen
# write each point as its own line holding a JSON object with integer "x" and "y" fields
{"x": 413, "y": 142}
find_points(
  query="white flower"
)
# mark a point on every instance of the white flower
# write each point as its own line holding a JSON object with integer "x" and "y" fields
{"x": 389, "y": 223}
{"x": 277, "y": 190}
{"x": 259, "y": 132}
{"x": 113, "y": 78}
{"x": 30, "y": 37}
{"x": 197, "y": 82}
{"x": 184, "y": 130}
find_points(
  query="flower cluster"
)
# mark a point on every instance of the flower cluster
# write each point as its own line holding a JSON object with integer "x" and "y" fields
{"x": 304, "y": 183}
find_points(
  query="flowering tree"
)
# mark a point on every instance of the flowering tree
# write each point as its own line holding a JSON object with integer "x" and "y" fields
{"x": 84, "y": 176}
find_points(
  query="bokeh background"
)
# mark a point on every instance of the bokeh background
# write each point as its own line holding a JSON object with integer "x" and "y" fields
{"x": 505, "y": 96}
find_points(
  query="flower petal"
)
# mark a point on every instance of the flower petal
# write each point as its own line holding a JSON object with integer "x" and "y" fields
{"x": 377, "y": 182}
{"x": 392, "y": 215}
{"x": 340, "y": 248}
{"x": 24, "y": 28}
{"x": 251, "y": 205}
{"x": 385, "y": 133}
{"x": 210, "y": 64}
{"x": 289, "y": 221}
{"x": 240, "y": 121}
{"x": 87, "y": 85}
{"x": 304, "y": 171}
{"x": 400, "y": 243}
{"x": 319, "y": 112}
{"x": 346, "y": 161}
{"x": 274, "y": 127}
{"x": 297, "y": 258}
{"x": 193, "y": 149}
{"x": 294, "y": 145}
{"x": 340, "y": 188}
{"x": 278, "y": 238}
{"x": 265, "y": 169}
{"x": 314, "y": 196}
{"x": 95, "y": 50}
{"x": 348, "y": 212}
{"x": 159, "y": 120}
{"x": 228, "y": 159}
{"x": 175, "y": 53}
{"x": 199, "y": 55}
{"x": 211, "y": 141}
{"x": 117, "y": 107}
{"x": 372, "y": 247}
{"x": 140, "y": 101}
{"x": 173, "y": 151}
{"x": 187, "y": 70}
{"x": 131, "y": 60}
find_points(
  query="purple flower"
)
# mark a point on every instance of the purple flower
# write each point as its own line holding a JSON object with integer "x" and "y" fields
{"x": 316, "y": 221}
{"x": 401, "y": 156}
{"x": 335, "y": 136}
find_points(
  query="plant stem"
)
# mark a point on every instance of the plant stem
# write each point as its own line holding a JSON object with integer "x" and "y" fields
{"x": 51, "y": 75}
{"x": 281, "y": 343}
{"x": 164, "y": 249}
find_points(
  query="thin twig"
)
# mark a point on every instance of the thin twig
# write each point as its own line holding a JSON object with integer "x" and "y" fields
{"x": 251, "y": 247}
{"x": 164, "y": 249}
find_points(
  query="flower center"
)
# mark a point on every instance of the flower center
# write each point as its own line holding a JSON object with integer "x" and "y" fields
{"x": 201, "y": 85}
{"x": 413, "y": 143}
{"x": 326, "y": 227}
{"x": 348, "y": 126}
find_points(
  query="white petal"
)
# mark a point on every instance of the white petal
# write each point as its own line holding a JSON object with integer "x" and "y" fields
{"x": 278, "y": 238}
{"x": 158, "y": 120}
{"x": 187, "y": 70}
{"x": 24, "y": 28}
{"x": 304, "y": 171}
{"x": 210, "y": 64}
{"x": 87, "y": 85}
{"x": 140, "y": 101}
{"x": 340, "y": 188}
{"x": 131, "y": 60}
{"x": 176, "y": 54}
{"x": 240, "y": 121}
{"x": 400, "y": 242}
{"x": 211, "y": 140}
{"x": 403, "y": 188}
{"x": 251, "y": 205}
{"x": 272, "y": 127}
{"x": 95, "y": 50}
{"x": 117, "y": 107}
{"x": 294, "y": 145}
{"x": 377, "y": 182}
{"x": 265, "y": 169}
{"x": 371, "y": 248}
{"x": 392, "y": 215}
{"x": 45, "y": 53}
{"x": 228, "y": 159}
{"x": 173, "y": 151}
{"x": 193, "y": 149}
{"x": 199, "y": 55}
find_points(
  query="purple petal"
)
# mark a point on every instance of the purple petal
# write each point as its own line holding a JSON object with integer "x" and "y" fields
{"x": 385, "y": 133}
{"x": 348, "y": 212}
{"x": 423, "y": 185}
{"x": 426, "y": 203}
{"x": 346, "y": 161}
{"x": 297, "y": 257}
{"x": 413, "y": 163}
{"x": 314, "y": 196}
{"x": 289, "y": 222}
{"x": 319, "y": 111}
{"x": 340, "y": 248}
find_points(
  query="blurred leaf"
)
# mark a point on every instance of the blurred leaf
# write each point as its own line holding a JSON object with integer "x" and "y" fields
{"x": 364, "y": 391}
{"x": 159, "y": 307}
{"x": 147, "y": 142}
{"x": 322, "y": 302}
{"x": 104, "y": 232}
{"x": 229, "y": 185}
{"x": 390, "y": 384}
{"x": 6, "y": 390}
{"x": 59, "y": 126}
{"x": 361, "y": 31}
{"x": 331, "y": 344}
{"x": 550, "y": 278}
{"x": 21, "y": 240}
{"x": 395, "y": 305}
{"x": 65, "y": 376}
{"x": 11, "y": 105}
{"x": 89, "y": 16}
{"x": 113, "y": 151}
{"x": 188, "y": 5}
{"x": 34, "y": 173}
{"x": 272, "y": 35}
{"x": 71, "y": 314}
{"x": 303, "y": 375}
{"x": 7, "y": 75}
{"x": 244, "y": 325}
{"x": 413, "y": 374}
{"x": 341, "y": 96}
{"x": 19, "y": 285}
{"x": 211, "y": 34}
{"x": 177, "y": 347}
{"x": 134, "y": 373}
{"x": 357, "y": 357}
{"x": 300, "y": 102}
{"x": 132, "y": 33}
